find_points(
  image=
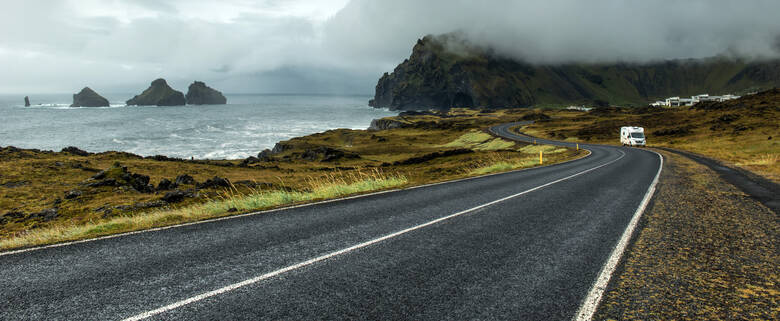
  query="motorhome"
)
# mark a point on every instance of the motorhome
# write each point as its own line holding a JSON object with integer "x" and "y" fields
{"x": 632, "y": 136}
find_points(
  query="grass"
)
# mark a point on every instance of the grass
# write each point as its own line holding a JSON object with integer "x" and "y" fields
{"x": 334, "y": 186}
{"x": 34, "y": 181}
{"x": 744, "y": 133}
{"x": 480, "y": 141}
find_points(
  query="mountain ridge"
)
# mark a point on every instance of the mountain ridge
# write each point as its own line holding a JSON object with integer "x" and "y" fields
{"x": 447, "y": 71}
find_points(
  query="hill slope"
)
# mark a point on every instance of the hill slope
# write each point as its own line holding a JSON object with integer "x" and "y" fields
{"x": 445, "y": 71}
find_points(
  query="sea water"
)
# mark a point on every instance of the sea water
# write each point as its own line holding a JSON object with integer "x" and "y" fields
{"x": 243, "y": 127}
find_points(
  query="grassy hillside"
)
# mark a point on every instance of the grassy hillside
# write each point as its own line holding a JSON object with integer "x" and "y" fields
{"x": 744, "y": 132}
{"x": 446, "y": 71}
{"x": 54, "y": 196}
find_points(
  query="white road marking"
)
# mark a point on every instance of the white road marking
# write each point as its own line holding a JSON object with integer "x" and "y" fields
{"x": 591, "y": 302}
{"x": 256, "y": 279}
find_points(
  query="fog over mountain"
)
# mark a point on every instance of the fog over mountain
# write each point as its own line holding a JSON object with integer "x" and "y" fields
{"x": 342, "y": 46}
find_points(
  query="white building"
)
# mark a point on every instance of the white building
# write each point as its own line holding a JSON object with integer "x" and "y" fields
{"x": 677, "y": 101}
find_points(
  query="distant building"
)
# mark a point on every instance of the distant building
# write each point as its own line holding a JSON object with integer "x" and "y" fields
{"x": 580, "y": 108}
{"x": 677, "y": 101}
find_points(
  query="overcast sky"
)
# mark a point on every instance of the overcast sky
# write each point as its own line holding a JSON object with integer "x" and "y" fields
{"x": 343, "y": 46}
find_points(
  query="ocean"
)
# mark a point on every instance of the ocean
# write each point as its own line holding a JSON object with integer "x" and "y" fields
{"x": 248, "y": 124}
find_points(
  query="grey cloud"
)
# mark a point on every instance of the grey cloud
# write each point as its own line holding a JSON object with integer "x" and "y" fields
{"x": 568, "y": 30}
{"x": 48, "y": 46}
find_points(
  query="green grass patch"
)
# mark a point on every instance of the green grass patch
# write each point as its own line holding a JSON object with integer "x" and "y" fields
{"x": 504, "y": 166}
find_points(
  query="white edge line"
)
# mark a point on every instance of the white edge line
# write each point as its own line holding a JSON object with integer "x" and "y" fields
{"x": 210, "y": 220}
{"x": 591, "y": 302}
{"x": 256, "y": 279}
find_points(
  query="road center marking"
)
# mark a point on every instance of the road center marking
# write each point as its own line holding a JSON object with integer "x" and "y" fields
{"x": 259, "y": 278}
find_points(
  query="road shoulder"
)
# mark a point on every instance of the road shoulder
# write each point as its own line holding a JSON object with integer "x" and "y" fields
{"x": 705, "y": 250}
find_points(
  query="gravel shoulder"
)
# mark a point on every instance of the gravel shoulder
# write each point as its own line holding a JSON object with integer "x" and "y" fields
{"x": 706, "y": 250}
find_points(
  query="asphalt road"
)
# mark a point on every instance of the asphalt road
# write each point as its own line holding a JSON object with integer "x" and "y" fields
{"x": 521, "y": 245}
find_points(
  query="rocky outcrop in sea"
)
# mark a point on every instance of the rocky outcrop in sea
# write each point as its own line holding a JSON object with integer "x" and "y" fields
{"x": 158, "y": 94}
{"x": 26, "y": 101}
{"x": 88, "y": 98}
{"x": 200, "y": 94}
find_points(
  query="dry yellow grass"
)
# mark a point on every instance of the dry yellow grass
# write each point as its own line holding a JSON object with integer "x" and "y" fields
{"x": 229, "y": 202}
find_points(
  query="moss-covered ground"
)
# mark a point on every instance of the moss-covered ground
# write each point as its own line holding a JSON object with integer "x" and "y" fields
{"x": 705, "y": 251}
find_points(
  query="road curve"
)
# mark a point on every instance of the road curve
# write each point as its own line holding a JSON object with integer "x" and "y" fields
{"x": 520, "y": 245}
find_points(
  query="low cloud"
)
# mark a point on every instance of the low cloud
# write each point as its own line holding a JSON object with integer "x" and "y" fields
{"x": 344, "y": 46}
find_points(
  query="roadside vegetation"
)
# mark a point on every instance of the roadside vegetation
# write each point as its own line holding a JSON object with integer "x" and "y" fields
{"x": 48, "y": 197}
{"x": 743, "y": 132}
{"x": 706, "y": 251}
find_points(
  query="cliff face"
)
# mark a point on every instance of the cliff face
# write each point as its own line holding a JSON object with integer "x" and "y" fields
{"x": 200, "y": 94}
{"x": 158, "y": 94}
{"x": 88, "y": 98}
{"x": 445, "y": 71}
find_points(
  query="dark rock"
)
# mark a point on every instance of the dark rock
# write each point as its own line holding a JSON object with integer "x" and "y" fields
{"x": 249, "y": 160}
{"x": 158, "y": 94}
{"x": 26, "y": 101}
{"x": 104, "y": 182}
{"x": 165, "y": 185}
{"x": 385, "y": 124}
{"x": 200, "y": 94}
{"x": 118, "y": 175}
{"x": 427, "y": 157}
{"x": 88, "y": 98}
{"x": 46, "y": 215}
{"x": 327, "y": 154}
{"x": 265, "y": 155}
{"x": 536, "y": 116}
{"x": 178, "y": 196}
{"x": 184, "y": 179}
{"x": 280, "y": 148}
{"x": 15, "y": 184}
{"x": 232, "y": 210}
{"x": 72, "y": 194}
{"x": 214, "y": 182}
{"x": 14, "y": 214}
{"x": 152, "y": 204}
{"x": 75, "y": 151}
{"x": 163, "y": 158}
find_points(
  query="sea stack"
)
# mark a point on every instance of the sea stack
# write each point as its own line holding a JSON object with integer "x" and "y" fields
{"x": 158, "y": 94}
{"x": 200, "y": 94}
{"x": 88, "y": 98}
{"x": 26, "y": 101}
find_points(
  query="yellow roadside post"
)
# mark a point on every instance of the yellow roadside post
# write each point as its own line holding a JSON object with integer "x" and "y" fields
{"x": 540, "y": 157}
{"x": 578, "y": 146}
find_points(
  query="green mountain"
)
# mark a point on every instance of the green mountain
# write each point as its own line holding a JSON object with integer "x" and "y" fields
{"x": 446, "y": 71}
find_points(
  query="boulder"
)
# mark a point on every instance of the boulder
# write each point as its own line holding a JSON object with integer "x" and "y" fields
{"x": 178, "y": 195}
{"x": 88, "y": 98}
{"x": 158, "y": 94}
{"x": 184, "y": 179}
{"x": 75, "y": 151}
{"x": 200, "y": 94}
{"x": 214, "y": 182}
{"x": 26, "y": 101}
{"x": 384, "y": 124}
{"x": 118, "y": 175}
{"x": 165, "y": 184}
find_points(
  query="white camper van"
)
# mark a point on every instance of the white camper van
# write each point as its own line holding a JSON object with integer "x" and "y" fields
{"x": 632, "y": 136}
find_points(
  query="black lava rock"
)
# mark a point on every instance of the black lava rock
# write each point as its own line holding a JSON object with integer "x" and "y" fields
{"x": 88, "y": 98}
{"x": 200, "y": 94}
